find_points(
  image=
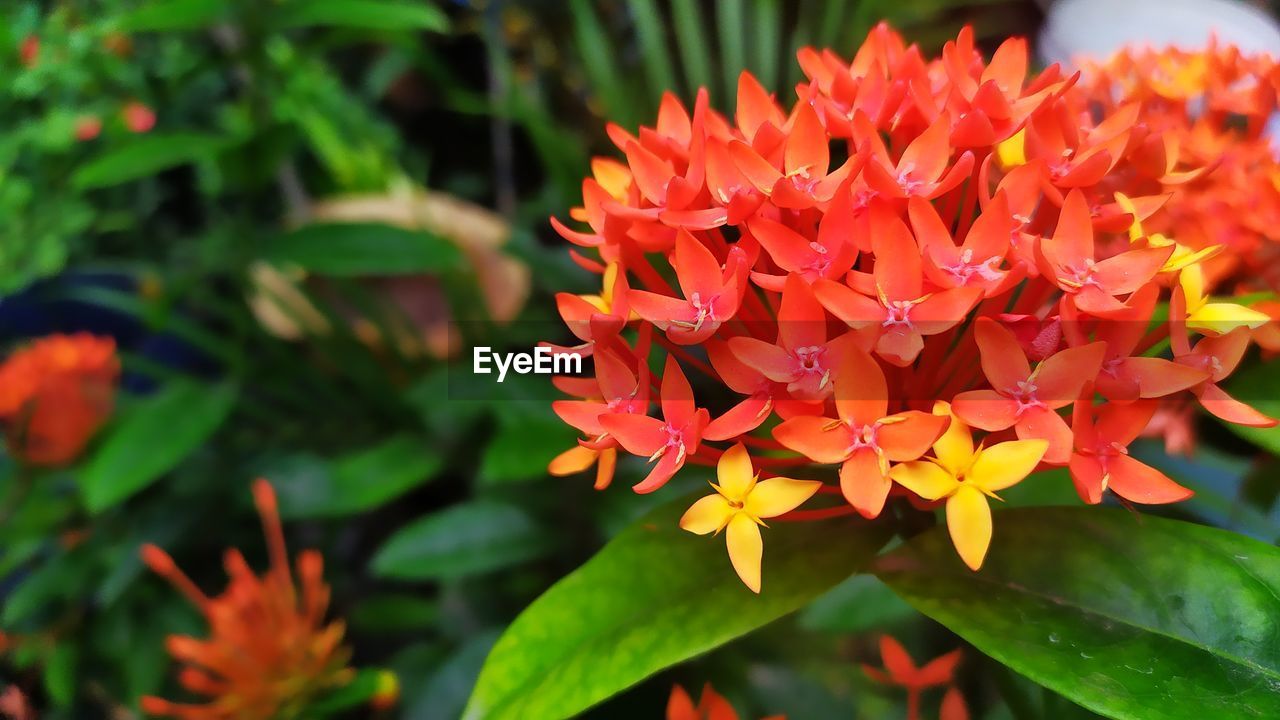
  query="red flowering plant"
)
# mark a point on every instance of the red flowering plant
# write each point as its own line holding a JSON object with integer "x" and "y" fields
{"x": 919, "y": 284}
{"x": 974, "y": 262}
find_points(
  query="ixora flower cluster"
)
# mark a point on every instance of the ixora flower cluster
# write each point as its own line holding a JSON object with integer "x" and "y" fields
{"x": 55, "y": 394}
{"x": 913, "y": 253}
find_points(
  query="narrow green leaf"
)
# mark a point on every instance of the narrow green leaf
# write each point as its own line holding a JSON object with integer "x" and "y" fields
{"x": 732, "y": 26}
{"x": 151, "y": 437}
{"x": 353, "y": 249}
{"x": 598, "y": 53}
{"x": 831, "y": 22}
{"x": 650, "y": 27}
{"x": 653, "y": 597}
{"x": 466, "y": 539}
{"x": 767, "y": 22}
{"x": 1131, "y": 616}
{"x": 170, "y": 15}
{"x": 362, "y": 15}
{"x": 691, "y": 35}
{"x": 144, "y": 156}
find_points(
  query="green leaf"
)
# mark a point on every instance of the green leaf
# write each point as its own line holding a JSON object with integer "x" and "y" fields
{"x": 355, "y": 483}
{"x": 60, "y": 673}
{"x": 394, "y": 613}
{"x": 1259, "y": 386}
{"x": 466, "y": 539}
{"x": 651, "y": 32}
{"x": 174, "y": 15}
{"x": 857, "y": 605}
{"x": 363, "y": 15}
{"x": 528, "y": 438}
{"x": 145, "y": 156}
{"x": 354, "y": 249}
{"x": 1131, "y": 616}
{"x": 151, "y": 437}
{"x": 653, "y": 597}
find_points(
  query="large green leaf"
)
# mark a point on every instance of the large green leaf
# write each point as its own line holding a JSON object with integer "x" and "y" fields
{"x": 1129, "y": 615}
{"x": 144, "y": 156}
{"x": 151, "y": 437}
{"x": 363, "y": 15}
{"x": 653, "y": 597}
{"x": 465, "y": 539}
{"x": 352, "y": 249}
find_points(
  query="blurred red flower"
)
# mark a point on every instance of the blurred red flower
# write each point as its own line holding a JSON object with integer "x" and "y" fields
{"x": 55, "y": 394}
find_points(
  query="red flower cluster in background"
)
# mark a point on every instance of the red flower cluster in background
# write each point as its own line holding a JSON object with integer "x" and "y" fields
{"x": 1209, "y": 108}
{"x": 55, "y": 394}
{"x": 912, "y": 252}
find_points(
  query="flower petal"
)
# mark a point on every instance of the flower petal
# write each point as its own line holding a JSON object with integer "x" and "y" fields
{"x": 925, "y": 479}
{"x": 954, "y": 449}
{"x": 969, "y": 523}
{"x": 735, "y": 474}
{"x": 818, "y": 438}
{"x": 1140, "y": 483}
{"x": 1006, "y": 463}
{"x": 746, "y": 548}
{"x": 985, "y": 409}
{"x": 864, "y": 484}
{"x": 778, "y": 495}
{"x": 707, "y": 515}
{"x": 908, "y": 435}
{"x": 1003, "y": 361}
{"x": 572, "y": 461}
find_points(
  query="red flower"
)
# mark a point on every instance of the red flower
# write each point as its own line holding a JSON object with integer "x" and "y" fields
{"x": 670, "y": 441}
{"x": 901, "y": 670}
{"x": 138, "y": 117}
{"x": 269, "y": 652}
{"x": 995, "y": 245}
{"x": 55, "y": 394}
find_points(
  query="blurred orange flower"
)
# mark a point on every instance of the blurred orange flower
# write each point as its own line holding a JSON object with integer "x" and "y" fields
{"x": 711, "y": 706}
{"x": 55, "y": 394}
{"x": 269, "y": 653}
{"x": 901, "y": 670}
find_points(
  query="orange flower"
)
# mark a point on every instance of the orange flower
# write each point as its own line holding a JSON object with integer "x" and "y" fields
{"x": 55, "y": 394}
{"x": 269, "y": 653}
{"x": 901, "y": 670}
{"x": 711, "y": 706}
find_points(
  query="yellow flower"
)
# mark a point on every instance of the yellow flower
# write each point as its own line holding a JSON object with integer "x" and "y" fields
{"x": 1182, "y": 256}
{"x": 1214, "y": 318}
{"x": 738, "y": 506}
{"x": 965, "y": 477}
